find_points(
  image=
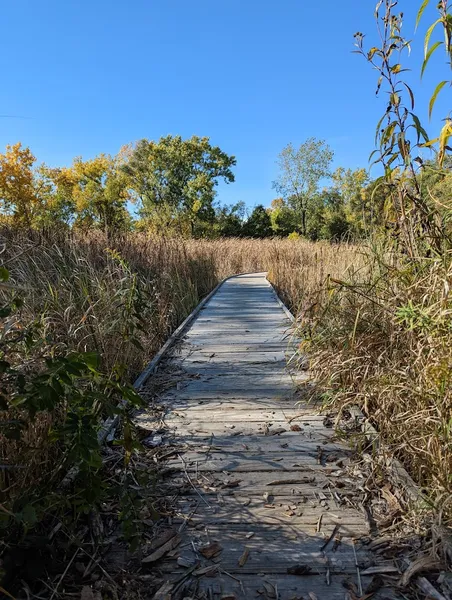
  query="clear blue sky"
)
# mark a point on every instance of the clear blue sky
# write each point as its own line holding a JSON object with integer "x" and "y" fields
{"x": 92, "y": 75}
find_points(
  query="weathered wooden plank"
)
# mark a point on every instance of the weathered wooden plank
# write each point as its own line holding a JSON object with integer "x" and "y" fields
{"x": 252, "y": 511}
{"x": 306, "y": 458}
{"x": 231, "y": 428}
{"x": 283, "y": 587}
{"x": 258, "y": 443}
{"x": 273, "y": 554}
{"x": 303, "y": 479}
{"x": 243, "y": 369}
{"x": 243, "y": 357}
{"x": 242, "y": 319}
{"x": 232, "y": 404}
{"x": 237, "y": 394}
{"x": 291, "y": 409}
{"x": 247, "y": 412}
{"x": 235, "y": 348}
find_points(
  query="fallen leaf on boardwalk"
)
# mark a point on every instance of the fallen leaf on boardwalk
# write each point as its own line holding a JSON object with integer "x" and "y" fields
{"x": 268, "y": 497}
{"x": 382, "y": 569}
{"x": 299, "y": 570}
{"x": 277, "y": 431}
{"x": 292, "y": 481}
{"x": 163, "y": 593}
{"x": 231, "y": 484}
{"x": 152, "y": 441}
{"x": 244, "y": 557}
{"x": 185, "y": 562}
{"x": 270, "y": 590}
{"x": 170, "y": 545}
{"x": 211, "y": 550}
{"x": 161, "y": 538}
{"x": 392, "y": 501}
{"x": 425, "y": 563}
{"x": 295, "y": 428}
{"x": 207, "y": 571}
{"x": 312, "y": 596}
{"x": 381, "y": 541}
{"x": 250, "y": 535}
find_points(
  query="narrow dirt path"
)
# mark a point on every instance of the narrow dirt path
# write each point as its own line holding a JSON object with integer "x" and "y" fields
{"x": 262, "y": 507}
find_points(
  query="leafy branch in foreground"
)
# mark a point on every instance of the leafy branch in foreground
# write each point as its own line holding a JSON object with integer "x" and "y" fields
{"x": 52, "y": 403}
{"x": 380, "y": 338}
{"x": 400, "y": 137}
{"x": 444, "y": 20}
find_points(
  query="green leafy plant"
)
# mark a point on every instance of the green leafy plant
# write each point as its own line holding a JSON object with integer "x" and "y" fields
{"x": 55, "y": 399}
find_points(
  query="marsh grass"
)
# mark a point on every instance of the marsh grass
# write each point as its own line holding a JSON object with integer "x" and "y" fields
{"x": 382, "y": 341}
{"x": 376, "y": 326}
{"x": 121, "y": 299}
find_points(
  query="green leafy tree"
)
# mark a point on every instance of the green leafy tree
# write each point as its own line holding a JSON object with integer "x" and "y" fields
{"x": 335, "y": 226}
{"x": 180, "y": 175}
{"x": 352, "y": 184}
{"x": 300, "y": 172}
{"x": 258, "y": 224}
{"x": 229, "y": 220}
{"x": 57, "y": 205}
{"x": 283, "y": 218}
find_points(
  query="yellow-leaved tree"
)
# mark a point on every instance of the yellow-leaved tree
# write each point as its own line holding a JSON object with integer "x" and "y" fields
{"x": 97, "y": 191}
{"x": 19, "y": 190}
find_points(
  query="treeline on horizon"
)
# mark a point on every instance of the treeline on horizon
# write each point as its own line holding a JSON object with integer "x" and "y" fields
{"x": 169, "y": 187}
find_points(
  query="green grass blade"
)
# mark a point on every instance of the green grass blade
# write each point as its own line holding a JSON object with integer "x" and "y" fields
{"x": 421, "y": 12}
{"x": 428, "y": 56}
{"x": 439, "y": 87}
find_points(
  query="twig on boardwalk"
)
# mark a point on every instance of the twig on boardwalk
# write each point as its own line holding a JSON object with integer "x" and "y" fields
{"x": 360, "y": 586}
{"x": 191, "y": 482}
{"x": 187, "y": 519}
{"x": 319, "y": 524}
{"x": 239, "y": 581}
{"x": 333, "y": 533}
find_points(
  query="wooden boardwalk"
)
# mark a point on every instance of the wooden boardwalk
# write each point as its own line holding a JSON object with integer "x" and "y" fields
{"x": 261, "y": 505}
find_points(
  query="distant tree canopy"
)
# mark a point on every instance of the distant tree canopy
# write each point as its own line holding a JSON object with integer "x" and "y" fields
{"x": 300, "y": 171}
{"x": 169, "y": 188}
{"x": 178, "y": 175}
{"x": 258, "y": 224}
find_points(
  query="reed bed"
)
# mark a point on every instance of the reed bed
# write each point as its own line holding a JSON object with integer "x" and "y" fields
{"x": 377, "y": 329}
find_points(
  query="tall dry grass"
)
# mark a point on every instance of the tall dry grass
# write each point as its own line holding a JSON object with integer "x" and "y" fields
{"x": 377, "y": 330}
{"x": 381, "y": 339}
{"x": 87, "y": 291}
